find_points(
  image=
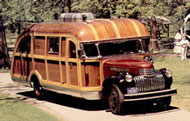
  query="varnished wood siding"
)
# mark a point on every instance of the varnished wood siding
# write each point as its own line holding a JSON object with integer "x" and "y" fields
{"x": 63, "y": 47}
{"x": 39, "y": 46}
{"x": 73, "y": 73}
{"x": 17, "y": 65}
{"x": 40, "y": 67}
{"x": 27, "y": 66}
{"x": 91, "y": 74}
{"x": 63, "y": 73}
{"x": 53, "y": 71}
{"x": 95, "y": 30}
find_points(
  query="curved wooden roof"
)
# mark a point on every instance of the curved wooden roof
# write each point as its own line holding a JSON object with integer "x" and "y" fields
{"x": 100, "y": 29}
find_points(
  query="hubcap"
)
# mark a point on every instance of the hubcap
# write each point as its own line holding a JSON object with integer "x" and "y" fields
{"x": 37, "y": 92}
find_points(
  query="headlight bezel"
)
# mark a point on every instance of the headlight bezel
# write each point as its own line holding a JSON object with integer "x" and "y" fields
{"x": 168, "y": 73}
{"x": 128, "y": 77}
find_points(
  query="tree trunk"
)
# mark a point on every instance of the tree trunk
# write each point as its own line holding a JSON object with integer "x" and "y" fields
{"x": 4, "y": 55}
{"x": 19, "y": 28}
{"x": 154, "y": 40}
{"x": 68, "y": 6}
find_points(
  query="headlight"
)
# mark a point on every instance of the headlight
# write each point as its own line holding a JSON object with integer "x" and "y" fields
{"x": 168, "y": 73}
{"x": 128, "y": 77}
{"x": 148, "y": 58}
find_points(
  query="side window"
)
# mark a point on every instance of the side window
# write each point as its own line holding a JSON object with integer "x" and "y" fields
{"x": 53, "y": 45}
{"x": 24, "y": 45}
{"x": 72, "y": 50}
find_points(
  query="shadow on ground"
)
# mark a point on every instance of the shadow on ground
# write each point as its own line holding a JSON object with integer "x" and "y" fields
{"x": 97, "y": 105}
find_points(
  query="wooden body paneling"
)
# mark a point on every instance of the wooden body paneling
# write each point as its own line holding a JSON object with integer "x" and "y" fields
{"x": 17, "y": 66}
{"x": 39, "y": 45}
{"x": 27, "y": 66}
{"x": 40, "y": 67}
{"x": 73, "y": 73}
{"x": 64, "y": 78}
{"x": 91, "y": 74}
{"x": 63, "y": 47}
{"x": 53, "y": 71}
{"x": 65, "y": 69}
{"x": 103, "y": 29}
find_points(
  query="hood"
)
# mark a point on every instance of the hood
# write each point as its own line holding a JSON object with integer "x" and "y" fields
{"x": 128, "y": 62}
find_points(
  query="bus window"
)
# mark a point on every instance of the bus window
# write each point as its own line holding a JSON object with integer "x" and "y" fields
{"x": 53, "y": 45}
{"x": 24, "y": 45}
{"x": 72, "y": 50}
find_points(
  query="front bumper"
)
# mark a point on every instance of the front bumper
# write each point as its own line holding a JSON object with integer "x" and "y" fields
{"x": 150, "y": 95}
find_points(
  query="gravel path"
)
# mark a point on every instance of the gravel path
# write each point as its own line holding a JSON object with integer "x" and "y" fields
{"x": 73, "y": 109}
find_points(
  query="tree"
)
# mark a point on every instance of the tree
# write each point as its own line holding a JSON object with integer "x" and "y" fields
{"x": 18, "y": 12}
{"x": 4, "y": 56}
{"x": 174, "y": 10}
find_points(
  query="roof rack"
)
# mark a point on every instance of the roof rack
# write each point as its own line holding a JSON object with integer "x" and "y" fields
{"x": 75, "y": 17}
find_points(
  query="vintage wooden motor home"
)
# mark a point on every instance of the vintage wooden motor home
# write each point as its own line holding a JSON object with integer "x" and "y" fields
{"x": 91, "y": 59}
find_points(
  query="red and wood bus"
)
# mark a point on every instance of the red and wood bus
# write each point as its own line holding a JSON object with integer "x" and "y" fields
{"x": 91, "y": 59}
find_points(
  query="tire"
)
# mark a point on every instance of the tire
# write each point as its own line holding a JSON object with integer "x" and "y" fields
{"x": 115, "y": 100}
{"x": 165, "y": 103}
{"x": 38, "y": 91}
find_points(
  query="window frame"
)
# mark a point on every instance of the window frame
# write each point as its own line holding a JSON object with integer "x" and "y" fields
{"x": 70, "y": 51}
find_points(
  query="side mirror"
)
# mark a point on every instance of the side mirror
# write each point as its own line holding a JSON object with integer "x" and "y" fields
{"x": 81, "y": 54}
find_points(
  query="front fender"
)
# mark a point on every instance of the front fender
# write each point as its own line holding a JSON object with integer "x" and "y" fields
{"x": 168, "y": 81}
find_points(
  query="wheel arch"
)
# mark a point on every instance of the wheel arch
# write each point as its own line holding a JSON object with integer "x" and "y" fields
{"x": 35, "y": 75}
{"x": 107, "y": 85}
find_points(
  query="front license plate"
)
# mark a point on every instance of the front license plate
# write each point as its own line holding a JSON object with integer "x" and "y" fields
{"x": 132, "y": 90}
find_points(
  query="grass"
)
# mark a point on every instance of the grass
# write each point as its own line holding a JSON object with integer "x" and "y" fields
{"x": 4, "y": 71}
{"x": 12, "y": 109}
{"x": 181, "y": 79}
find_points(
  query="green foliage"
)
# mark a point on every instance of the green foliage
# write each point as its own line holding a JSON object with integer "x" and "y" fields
{"x": 17, "y": 12}
{"x": 175, "y": 10}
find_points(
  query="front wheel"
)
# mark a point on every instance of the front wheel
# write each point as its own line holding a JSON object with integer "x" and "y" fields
{"x": 164, "y": 103}
{"x": 115, "y": 100}
{"x": 167, "y": 102}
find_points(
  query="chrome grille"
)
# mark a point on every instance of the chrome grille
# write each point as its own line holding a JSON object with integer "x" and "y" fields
{"x": 147, "y": 72}
{"x": 149, "y": 84}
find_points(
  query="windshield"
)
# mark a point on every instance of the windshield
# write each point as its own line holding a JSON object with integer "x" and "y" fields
{"x": 116, "y": 48}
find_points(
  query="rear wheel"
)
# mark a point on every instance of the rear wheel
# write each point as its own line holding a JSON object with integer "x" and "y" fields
{"x": 38, "y": 91}
{"x": 115, "y": 100}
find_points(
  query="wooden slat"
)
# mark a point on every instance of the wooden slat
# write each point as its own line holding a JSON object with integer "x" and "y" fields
{"x": 95, "y": 30}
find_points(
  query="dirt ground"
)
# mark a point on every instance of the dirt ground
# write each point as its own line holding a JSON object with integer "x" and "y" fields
{"x": 67, "y": 108}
